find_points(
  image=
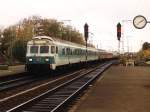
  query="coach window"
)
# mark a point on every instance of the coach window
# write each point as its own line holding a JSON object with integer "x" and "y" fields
{"x": 44, "y": 49}
{"x": 68, "y": 51}
{"x": 63, "y": 51}
{"x": 79, "y": 51}
{"x": 75, "y": 52}
{"x": 52, "y": 49}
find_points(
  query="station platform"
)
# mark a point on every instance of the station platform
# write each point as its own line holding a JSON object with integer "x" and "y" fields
{"x": 119, "y": 89}
{"x": 12, "y": 70}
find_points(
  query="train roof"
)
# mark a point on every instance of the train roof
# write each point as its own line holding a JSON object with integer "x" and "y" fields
{"x": 56, "y": 40}
{"x": 43, "y": 37}
{"x": 65, "y": 43}
{"x": 60, "y": 42}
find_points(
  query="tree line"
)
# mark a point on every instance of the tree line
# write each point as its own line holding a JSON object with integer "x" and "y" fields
{"x": 146, "y": 46}
{"x": 144, "y": 52}
{"x": 15, "y": 37}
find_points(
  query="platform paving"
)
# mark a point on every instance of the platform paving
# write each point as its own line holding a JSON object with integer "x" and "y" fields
{"x": 120, "y": 89}
{"x": 12, "y": 70}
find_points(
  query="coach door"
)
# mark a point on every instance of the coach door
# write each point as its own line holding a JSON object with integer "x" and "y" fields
{"x": 54, "y": 51}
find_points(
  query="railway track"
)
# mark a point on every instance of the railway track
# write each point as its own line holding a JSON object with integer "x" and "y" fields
{"x": 10, "y": 84}
{"x": 56, "y": 98}
{"x": 22, "y": 96}
{"x": 24, "y": 79}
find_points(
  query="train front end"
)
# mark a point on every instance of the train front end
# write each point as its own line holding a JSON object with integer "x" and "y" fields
{"x": 40, "y": 55}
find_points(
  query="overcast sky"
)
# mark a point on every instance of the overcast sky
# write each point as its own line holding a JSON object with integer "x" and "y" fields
{"x": 101, "y": 15}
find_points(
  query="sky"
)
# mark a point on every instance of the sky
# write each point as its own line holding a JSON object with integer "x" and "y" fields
{"x": 102, "y": 17}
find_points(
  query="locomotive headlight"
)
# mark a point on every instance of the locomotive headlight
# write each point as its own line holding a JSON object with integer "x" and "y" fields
{"x": 30, "y": 59}
{"x": 46, "y": 59}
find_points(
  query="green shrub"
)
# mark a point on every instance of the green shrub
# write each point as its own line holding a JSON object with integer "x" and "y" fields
{"x": 19, "y": 50}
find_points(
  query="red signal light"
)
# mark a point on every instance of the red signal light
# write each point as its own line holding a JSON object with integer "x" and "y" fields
{"x": 118, "y": 31}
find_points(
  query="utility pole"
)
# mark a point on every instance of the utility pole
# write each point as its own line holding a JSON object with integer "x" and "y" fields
{"x": 123, "y": 33}
{"x": 91, "y": 38}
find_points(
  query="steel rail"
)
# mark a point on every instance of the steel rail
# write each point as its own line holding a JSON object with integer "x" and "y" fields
{"x": 13, "y": 80}
{"x": 7, "y": 85}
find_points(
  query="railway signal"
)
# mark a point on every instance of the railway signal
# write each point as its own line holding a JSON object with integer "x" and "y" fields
{"x": 118, "y": 31}
{"x": 86, "y": 35}
{"x": 86, "y": 31}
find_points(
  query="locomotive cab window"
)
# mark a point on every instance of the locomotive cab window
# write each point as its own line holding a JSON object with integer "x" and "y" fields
{"x": 34, "y": 49}
{"x": 52, "y": 49}
{"x": 44, "y": 49}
